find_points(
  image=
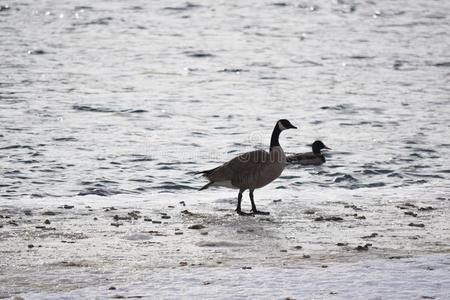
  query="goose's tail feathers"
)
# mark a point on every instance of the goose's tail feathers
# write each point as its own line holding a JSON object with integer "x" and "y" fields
{"x": 206, "y": 186}
{"x": 206, "y": 173}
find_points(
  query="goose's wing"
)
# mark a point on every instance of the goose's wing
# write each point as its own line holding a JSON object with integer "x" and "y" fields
{"x": 249, "y": 161}
{"x": 246, "y": 163}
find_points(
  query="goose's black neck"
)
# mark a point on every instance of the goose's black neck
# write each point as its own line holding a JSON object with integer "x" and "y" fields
{"x": 275, "y": 135}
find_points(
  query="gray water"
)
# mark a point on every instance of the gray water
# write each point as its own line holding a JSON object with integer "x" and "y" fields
{"x": 130, "y": 97}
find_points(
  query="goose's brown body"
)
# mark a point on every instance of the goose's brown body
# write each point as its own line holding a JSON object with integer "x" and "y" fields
{"x": 251, "y": 170}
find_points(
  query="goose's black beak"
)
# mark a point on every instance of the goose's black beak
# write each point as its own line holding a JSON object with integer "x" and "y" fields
{"x": 292, "y": 127}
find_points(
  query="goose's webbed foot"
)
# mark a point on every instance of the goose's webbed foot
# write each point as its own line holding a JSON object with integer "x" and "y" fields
{"x": 241, "y": 213}
{"x": 258, "y": 212}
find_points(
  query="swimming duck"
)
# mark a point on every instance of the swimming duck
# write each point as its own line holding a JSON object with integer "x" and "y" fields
{"x": 310, "y": 158}
{"x": 251, "y": 170}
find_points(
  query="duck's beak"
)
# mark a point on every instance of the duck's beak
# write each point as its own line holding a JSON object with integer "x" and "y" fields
{"x": 328, "y": 148}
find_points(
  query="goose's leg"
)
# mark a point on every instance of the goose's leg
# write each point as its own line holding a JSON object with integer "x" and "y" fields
{"x": 238, "y": 209}
{"x": 254, "y": 210}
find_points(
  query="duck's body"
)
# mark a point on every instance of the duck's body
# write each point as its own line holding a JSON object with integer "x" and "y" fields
{"x": 251, "y": 170}
{"x": 305, "y": 159}
{"x": 310, "y": 158}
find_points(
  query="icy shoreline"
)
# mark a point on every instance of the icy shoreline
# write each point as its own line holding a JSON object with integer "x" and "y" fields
{"x": 420, "y": 277}
{"x": 80, "y": 247}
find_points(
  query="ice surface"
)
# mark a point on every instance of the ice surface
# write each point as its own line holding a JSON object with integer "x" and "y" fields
{"x": 421, "y": 277}
{"x": 137, "y": 243}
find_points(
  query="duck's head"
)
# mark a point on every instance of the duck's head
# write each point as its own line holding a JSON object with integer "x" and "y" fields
{"x": 284, "y": 124}
{"x": 318, "y": 145}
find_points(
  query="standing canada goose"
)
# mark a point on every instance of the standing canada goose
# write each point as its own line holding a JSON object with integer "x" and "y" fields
{"x": 251, "y": 170}
{"x": 310, "y": 158}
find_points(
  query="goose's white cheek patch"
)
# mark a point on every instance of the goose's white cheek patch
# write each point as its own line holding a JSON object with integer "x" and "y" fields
{"x": 281, "y": 127}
